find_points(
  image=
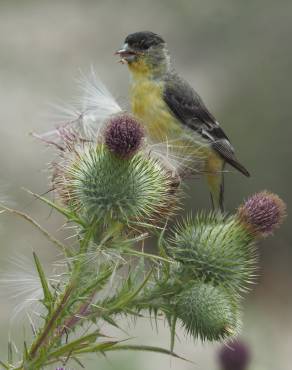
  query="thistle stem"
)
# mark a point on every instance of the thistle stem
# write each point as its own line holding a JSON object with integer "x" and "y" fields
{"x": 52, "y": 322}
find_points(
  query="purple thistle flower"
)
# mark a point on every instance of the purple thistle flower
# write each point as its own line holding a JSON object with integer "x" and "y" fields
{"x": 235, "y": 356}
{"x": 262, "y": 213}
{"x": 123, "y": 135}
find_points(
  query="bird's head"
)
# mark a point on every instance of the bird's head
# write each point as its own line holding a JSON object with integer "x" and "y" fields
{"x": 145, "y": 53}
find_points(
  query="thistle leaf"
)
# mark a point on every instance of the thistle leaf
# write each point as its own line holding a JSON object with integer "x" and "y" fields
{"x": 25, "y": 352}
{"x": 10, "y": 353}
{"x": 75, "y": 345}
{"x": 70, "y": 215}
{"x": 4, "y": 366}
{"x": 128, "y": 297}
{"x": 50, "y": 237}
{"x": 110, "y": 321}
{"x": 48, "y": 298}
{"x": 154, "y": 257}
{"x": 129, "y": 347}
{"x": 100, "y": 347}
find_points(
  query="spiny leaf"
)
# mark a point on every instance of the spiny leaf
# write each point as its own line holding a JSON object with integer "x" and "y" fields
{"x": 76, "y": 345}
{"x": 48, "y": 298}
{"x": 100, "y": 347}
{"x": 110, "y": 321}
{"x": 50, "y": 237}
{"x": 148, "y": 255}
{"x": 25, "y": 351}
{"x": 70, "y": 215}
{"x": 131, "y": 295}
{"x": 10, "y": 353}
{"x": 128, "y": 347}
{"x": 99, "y": 282}
{"x": 78, "y": 362}
{"x": 2, "y": 364}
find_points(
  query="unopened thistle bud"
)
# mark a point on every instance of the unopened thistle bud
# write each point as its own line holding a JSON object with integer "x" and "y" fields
{"x": 262, "y": 213}
{"x": 208, "y": 312}
{"x": 123, "y": 135}
{"x": 234, "y": 356}
{"x": 214, "y": 248}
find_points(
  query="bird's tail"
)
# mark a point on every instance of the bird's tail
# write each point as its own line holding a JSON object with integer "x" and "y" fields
{"x": 214, "y": 175}
{"x": 216, "y": 188}
{"x": 234, "y": 163}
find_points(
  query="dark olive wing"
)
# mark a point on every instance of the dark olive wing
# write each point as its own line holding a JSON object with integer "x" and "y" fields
{"x": 187, "y": 106}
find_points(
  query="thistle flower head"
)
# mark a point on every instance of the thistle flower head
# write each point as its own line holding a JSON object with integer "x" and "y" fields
{"x": 262, "y": 213}
{"x": 123, "y": 135}
{"x": 214, "y": 248}
{"x": 208, "y": 312}
{"x": 234, "y": 356}
{"x": 102, "y": 186}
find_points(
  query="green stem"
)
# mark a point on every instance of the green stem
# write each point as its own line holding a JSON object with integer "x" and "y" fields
{"x": 51, "y": 323}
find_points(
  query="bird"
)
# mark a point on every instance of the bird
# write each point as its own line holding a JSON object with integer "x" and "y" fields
{"x": 171, "y": 109}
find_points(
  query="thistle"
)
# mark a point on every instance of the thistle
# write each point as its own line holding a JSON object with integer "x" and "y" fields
{"x": 101, "y": 186}
{"x": 216, "y": 258}
{"x": 262, "y": 213}
{"x": 234, "y": 356}
{"x": 123, "y": 135}
{"x": 208, "y": 312}
{"x": 115, "y": 190}
{"x": 215, "y": 249}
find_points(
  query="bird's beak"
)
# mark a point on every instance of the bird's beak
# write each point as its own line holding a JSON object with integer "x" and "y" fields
{"x": 126, "y": 54}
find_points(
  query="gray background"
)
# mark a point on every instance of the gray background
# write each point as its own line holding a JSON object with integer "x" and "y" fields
{"x": 237, "y": 54}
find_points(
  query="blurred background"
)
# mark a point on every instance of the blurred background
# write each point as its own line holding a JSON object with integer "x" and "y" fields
{"x": 238, "y": 56}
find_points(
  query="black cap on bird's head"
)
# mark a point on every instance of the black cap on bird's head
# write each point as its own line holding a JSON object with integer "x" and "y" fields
{"x": 143, "y": 40}
{"x": 140, "y": 44}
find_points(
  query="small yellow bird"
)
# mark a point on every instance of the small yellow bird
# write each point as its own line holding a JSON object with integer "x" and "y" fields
{"x": 172, "y": 110}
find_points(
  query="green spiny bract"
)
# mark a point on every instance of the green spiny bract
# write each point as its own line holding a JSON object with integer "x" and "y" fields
{"x": 208, "y": 312}
{"x": 102, "y": 187}
{"x": 215, "y": 249}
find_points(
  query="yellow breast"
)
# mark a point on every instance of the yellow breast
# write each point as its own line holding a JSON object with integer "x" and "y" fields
{"x": 148, "y": 105}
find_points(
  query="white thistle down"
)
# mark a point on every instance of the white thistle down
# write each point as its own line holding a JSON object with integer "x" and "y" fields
{"x": 98, "y": 104}
{"x": 21, "y": 285}
{"x": 88, "y": 115}
{"x": 84, "y": 123}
